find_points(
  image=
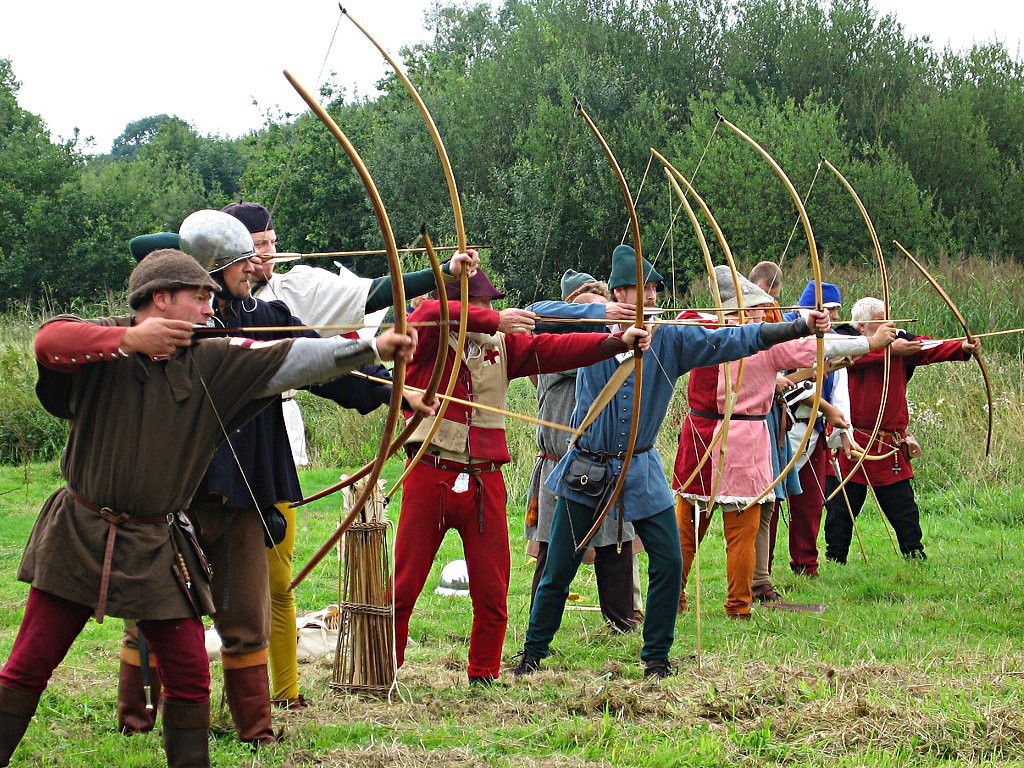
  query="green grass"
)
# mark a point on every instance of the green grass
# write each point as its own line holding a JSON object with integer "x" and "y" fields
{"x": 911, "y": 664}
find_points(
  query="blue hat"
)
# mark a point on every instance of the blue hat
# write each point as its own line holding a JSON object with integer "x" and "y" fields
{"x": 829, "y": 295}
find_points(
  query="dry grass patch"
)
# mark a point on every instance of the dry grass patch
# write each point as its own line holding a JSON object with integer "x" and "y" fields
{"x": 760, "y": 709}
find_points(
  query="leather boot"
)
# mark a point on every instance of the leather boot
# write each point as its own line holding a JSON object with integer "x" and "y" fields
{"x": 187, "y": 734}
{"x": 16, "y": 710}
{"x": 248, "y": 694}
{"x": 133, "y": 714}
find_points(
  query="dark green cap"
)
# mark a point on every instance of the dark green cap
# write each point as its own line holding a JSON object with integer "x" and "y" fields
{"x": 143, "y": 245}
{"x": 573, "y": 282}
{"x": 624, "y": 269}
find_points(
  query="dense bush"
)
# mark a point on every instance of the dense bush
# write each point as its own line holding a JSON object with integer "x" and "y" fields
{"x": 27, "y": 432}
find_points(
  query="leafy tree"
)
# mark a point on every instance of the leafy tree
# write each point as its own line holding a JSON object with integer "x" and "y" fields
{"x": 947, "y": 148}
{"x": 304, "y": 178}
{"x": 140, "y": 132}
{"x": 34, "y": 177}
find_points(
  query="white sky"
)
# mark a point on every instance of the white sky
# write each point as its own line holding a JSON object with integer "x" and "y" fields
{"x": 104, "y": 64}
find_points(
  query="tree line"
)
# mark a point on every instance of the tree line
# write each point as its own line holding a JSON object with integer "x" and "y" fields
{"x": 932, "y": 141}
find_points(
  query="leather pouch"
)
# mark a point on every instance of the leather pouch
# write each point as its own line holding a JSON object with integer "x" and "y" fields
{"x": 588, "y": 476}
{"x": 912, "y": 447}
{"x": 190, "y": 563}
{"x": 275, "y": 527}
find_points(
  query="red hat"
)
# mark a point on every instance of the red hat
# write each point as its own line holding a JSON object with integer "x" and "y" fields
{"x": 479, "y": 287}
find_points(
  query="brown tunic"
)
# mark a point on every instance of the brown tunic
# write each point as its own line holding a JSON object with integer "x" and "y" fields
{"x": 143, "y": 432}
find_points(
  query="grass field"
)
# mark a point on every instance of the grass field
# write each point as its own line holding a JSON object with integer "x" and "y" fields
{"x": 911, "y": 664}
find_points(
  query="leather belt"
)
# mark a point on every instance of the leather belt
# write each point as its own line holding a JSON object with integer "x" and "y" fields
{"x": 604, "y": 455}
{"x": 474, "y": 471}
{"x": 735, "y": 416}
{"x": 881, "y": 432}
{"x": 480, "y": 468}
{"x": 548, "y": 456}
{"x": 115, "y": 519}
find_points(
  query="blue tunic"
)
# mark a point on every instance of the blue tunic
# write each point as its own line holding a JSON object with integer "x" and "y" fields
{"x": 674, "y": 350}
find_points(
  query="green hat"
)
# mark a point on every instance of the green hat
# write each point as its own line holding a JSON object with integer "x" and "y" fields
{"x": 574, "y": 282}
{"x": 143, "y": 245}
{"x": 166, "y": 270}
{"x": 624, "y": 269}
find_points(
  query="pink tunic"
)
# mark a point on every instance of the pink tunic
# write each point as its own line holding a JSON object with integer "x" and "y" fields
{"x": 748, "y": 466}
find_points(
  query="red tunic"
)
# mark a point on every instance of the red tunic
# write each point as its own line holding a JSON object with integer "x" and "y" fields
{"x": 525, "y": 355}
{"x": 866, "y": 377}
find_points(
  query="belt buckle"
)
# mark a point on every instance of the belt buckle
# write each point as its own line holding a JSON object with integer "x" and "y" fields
{"x": 110, "y": 515}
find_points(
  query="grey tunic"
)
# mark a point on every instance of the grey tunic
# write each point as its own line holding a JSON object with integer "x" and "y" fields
{"x": 556, "y": 399}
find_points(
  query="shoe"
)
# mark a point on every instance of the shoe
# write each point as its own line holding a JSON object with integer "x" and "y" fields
{"x": 658, "y": 668}
{"x": 638, "y": 616}
{"x": 482, "y": 682}
{"x": 622, "y": 627}
{"x": 299, "y": 702}
{"x": 739, "y": 616}
{"x": 916, "y": 554}
{"x": 528, "y": 664}
{"x": 766, "y": 593}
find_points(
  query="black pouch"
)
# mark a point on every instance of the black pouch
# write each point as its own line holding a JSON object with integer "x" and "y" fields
{"x": 274, "y": 526}
{"x": 590, "y": 477}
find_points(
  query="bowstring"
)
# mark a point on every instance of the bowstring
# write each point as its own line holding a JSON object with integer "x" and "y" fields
{"x": 294, "y": 141}
{"x": 672, "y": 245}
{"x": 234, "y": 455}
{"x": 640, "y": 191}
{"x": 671, "y": 225}
{"x": 555, "y": 210}
{"x": 792, "y": 232}
{"x": 692, "y": 178}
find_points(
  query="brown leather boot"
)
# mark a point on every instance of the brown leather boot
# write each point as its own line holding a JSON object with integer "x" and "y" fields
{"x": 16, "y": 710}
{"x": 187, "y": 734}
{"x": 248, "y": 694}
{"x": 134, "y": 713}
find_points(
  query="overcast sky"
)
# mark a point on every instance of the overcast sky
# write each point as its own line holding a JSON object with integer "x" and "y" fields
{"x": 217, "y": 65}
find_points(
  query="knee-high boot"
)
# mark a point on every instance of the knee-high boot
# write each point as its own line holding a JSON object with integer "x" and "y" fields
{"x": 248, "y": 695}
{"x": 135, "y": 714}
{"x": 187, "y": 734}
{"x": 16, "y": 710}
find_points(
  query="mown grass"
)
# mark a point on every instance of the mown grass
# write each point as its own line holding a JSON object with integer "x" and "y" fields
{"x": 911, "y": 664}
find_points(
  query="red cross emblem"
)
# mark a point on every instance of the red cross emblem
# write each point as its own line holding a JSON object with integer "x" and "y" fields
{"x": 491, "y": 356}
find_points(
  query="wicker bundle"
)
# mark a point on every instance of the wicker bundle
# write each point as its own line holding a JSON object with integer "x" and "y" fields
{"x": 365, "y": 657}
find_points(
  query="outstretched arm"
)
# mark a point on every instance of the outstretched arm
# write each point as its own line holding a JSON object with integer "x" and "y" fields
{"x": 66, "y": 345}
{"x": 420, "y": 282}
{"x": 314, "y": 361}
